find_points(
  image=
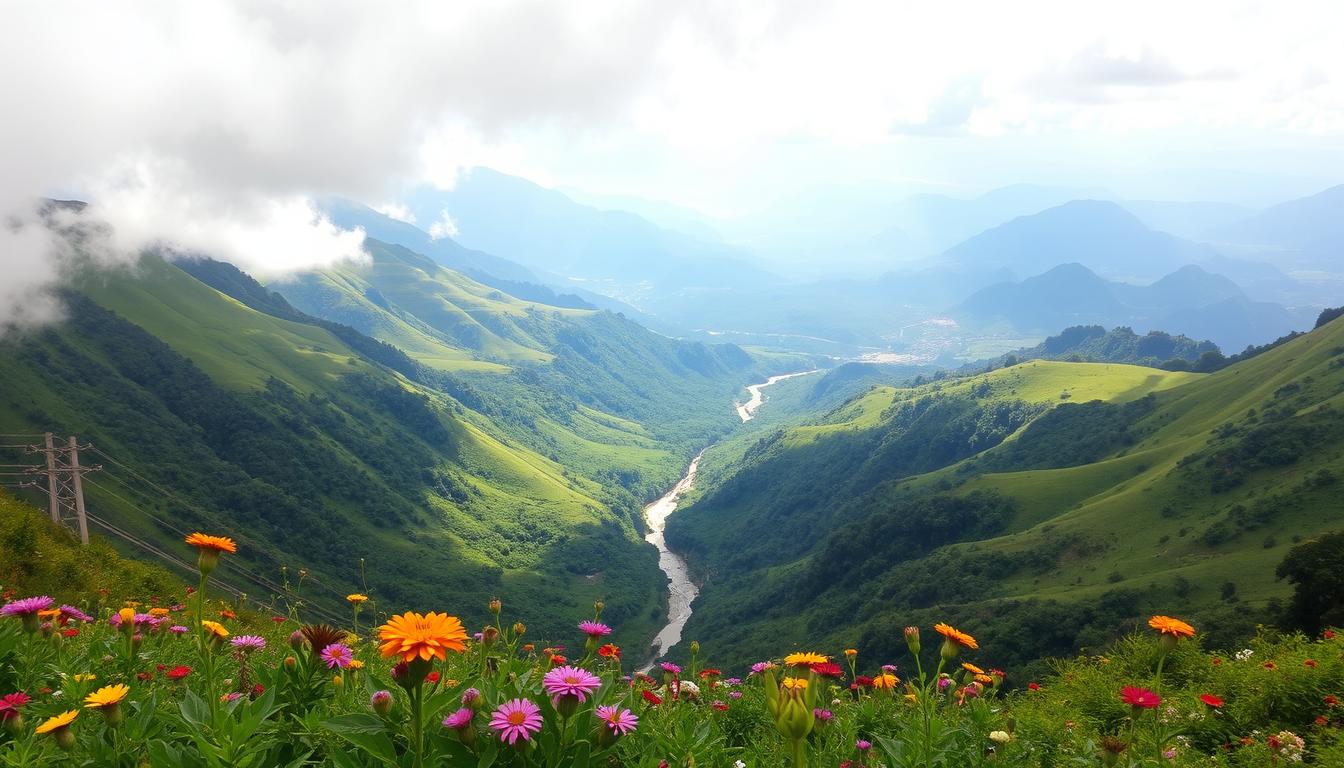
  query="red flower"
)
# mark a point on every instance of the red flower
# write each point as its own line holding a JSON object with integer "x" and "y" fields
{"x": 1217, "y": 661}
{"x": 1033, "y": 686}
{"x": 1139, "y": 697}
{"x": 1322, "y": 720}
{"x": 827, "y": 669}
{"x": 863, "y": 680}
{"x": 178, "y": 672}
{"x": 71, "y": 632}
{"x": 227, "y": 614}
{"x": 432, "y": 677}
{"x": 1270, "y": 665}
{"x": 557, "y": 660}
{"x": 258, "y": 689}
{"x": 1329, "y": 634}
{"x": 1211, "y": 700}
{"x": 720, "y": 706}
{"x": 279, "y": 619}
{"x": 1331, "y": 701}
{"x": 146, "y": 676}
{"x": 1310, "y": 663}
{"x": 609, "y": 651}
{"x": 650, "y": 697}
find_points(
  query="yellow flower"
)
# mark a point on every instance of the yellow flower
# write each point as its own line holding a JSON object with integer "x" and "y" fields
{"x": 911, "y": 698}
{"x": 794, "y": 683}
{"x": 886, "y": 680}
{"x": 204, "y": 542}
{"x": 355, "y": 664}
{"x": 805, "y": 659}
{"x": 158, "y": 612}
{"x": 1166, "y": 625}
{"x": 851, "y": 652}
{"x": 84, "y": 677}
{"x": 62, "y": 720}
{"x": 107, "y": 696}
{"x": 412, "y": 636}
{"x": 969, "y": 667}
{"x": 984, "y": 680}
{"x": 357, "y": 598}
{"x": 127, "y": 616}
{"x": 215, "y": 628}
{"x": 956, "y": 636}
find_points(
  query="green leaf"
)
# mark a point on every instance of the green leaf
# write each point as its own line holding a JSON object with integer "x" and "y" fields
{"x": 366, "y": 732}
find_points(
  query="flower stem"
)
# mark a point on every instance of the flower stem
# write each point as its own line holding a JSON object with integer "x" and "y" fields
{"x": 418, "y": 724}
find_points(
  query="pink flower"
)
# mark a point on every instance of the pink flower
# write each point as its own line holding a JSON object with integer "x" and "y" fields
{"x": 10, "y": 704}
{"x": 761, "y": 666}
{"x": 570, "y": 681}
{"x": 70, "y": 612}
{"x": 670, "y": 668}
{"x": 619, "y": 721}
{"x": 1139, "y": 697}
{"x": 28, "y": 606}
{"x": 516, "y": 719}
{"x": 459, "y": 719}
{"x": 862, "y": 745}
{"x": 594, "y": 629}
{"x": 248, "y": 643}
{"x": 337, "y": 656}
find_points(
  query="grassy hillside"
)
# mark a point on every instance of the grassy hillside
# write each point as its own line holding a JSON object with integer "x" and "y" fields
{"x": 1048, "y": 527}
{"x": 315, "y": 456}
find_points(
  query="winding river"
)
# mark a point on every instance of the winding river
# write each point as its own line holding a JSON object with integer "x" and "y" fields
{"x": 681, "y": 590}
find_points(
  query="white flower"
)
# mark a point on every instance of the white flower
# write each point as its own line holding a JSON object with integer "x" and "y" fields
{"x": 1000, "y": 737}
{"x": 1245, "y": 654}
{"x": 739, "y": 764}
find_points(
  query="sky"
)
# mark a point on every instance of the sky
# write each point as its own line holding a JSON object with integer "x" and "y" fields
{"x": 213, "y": 125}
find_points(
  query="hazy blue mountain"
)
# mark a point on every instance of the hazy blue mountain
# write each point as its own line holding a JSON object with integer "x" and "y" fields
{"x": 1098, "y": 234}
{"x": 1307, "y": 233}
{"x": 1189, "y": 301}
{"x": 678, "y": 218}
{"x": 611, "y": 252}
{"x": 1191, "y": 220}
{"x": 349, "y": 214}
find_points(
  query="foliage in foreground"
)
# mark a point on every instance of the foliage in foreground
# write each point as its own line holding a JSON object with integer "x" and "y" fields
{"x": 190, "y": 683}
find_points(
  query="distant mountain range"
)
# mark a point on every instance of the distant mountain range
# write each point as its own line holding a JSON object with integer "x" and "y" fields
{"x": 1307, "y": 233}
{"x": 1190, "y": 301}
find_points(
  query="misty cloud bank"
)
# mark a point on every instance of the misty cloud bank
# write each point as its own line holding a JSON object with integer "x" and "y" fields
{"x": 211, "y": 126}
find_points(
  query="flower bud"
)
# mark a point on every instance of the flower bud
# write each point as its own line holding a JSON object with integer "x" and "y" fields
{"x": 381, "y": 702}
{"x": 496, "y": 606}
{"x": 64, "y": 739}
{"x": 136, "y": 640}
{"x": 695, "y": 647}
{"x": 488, "y": 636}
{"x": 912, "y": 639}
{"x": 338, "y": 683}
{"x": 297, "y": 640}
{"x": 291, "y": 662}
{"x": 519, "y": 628}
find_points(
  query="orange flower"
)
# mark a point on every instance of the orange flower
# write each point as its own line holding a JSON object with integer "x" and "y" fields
{"x": 204, "y": 541}
{"x": 969, "y": 667}
{"x": 215, "y": 629}
{"x": 412, "y": 635}
{"x": 886, "y": 680}
{"x": 1166, "y": 625}
{"x": 62, "y": 720}
{"x": 956, "y": 636}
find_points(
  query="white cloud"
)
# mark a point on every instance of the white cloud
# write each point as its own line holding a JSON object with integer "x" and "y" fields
{"x": 443, "y": 227}
{"x": 396, "y": 211}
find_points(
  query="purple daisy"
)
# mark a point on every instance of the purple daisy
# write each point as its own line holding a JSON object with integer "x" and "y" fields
{"x": 516, "y": 719}
{"x": 619, "y": 721}
{"x": 28, "y": 606}
{"x": 670, "y": 668}
{"x": 594, "y": 629}
{"x": 178, "y": 629}
{"x": 459, "y": 719}
{"x": 761, "y": 666}
{"x": 862, "y": 745}
{"x": 823, "y": 715}
{"x": 337, "y": 656}
{"x": 248, "y": 643}
{"x": 570, "y": 681}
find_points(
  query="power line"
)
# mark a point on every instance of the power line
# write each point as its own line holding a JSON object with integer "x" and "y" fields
{"x": 227, "y": 564}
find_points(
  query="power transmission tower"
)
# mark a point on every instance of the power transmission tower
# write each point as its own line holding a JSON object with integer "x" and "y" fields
{"x": 65, "y": 485}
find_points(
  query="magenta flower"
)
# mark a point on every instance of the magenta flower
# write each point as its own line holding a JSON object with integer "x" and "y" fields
{"x": 570, "y": 681}
{"x": 231, "y": 697}
{"x": 178, "y": 629}
{"x": 594, "y": 629}
{"x": 516, "y": 719}
{"x": 889, "y": 668}
{"x": 70, "y": 612}
{"x": 734, "y": 695}
{"x": 470, "y": 696}
{"x": 337, "y": 656}
{"x": 863, "y": 746}
{"x": 670, "y": 668}
{"x": 618, "y": 721}
{"x": 459, "y": 719}
{"x": 248, "y": 643}
{"x": 761, "y": 666}
{"x": 10, "y": 704}
{"x": 28, "y": 606}
{"x": 822, "y": 715}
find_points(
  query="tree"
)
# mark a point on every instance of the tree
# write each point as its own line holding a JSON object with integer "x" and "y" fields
{"x": 1316, "y": 570}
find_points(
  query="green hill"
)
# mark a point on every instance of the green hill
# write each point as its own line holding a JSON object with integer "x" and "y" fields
{"x": 1049, "y": 504}
{"x": 321, "y": 448}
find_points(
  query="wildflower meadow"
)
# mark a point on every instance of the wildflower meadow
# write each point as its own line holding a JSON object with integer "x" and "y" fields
{"x": 187, "y": 680}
